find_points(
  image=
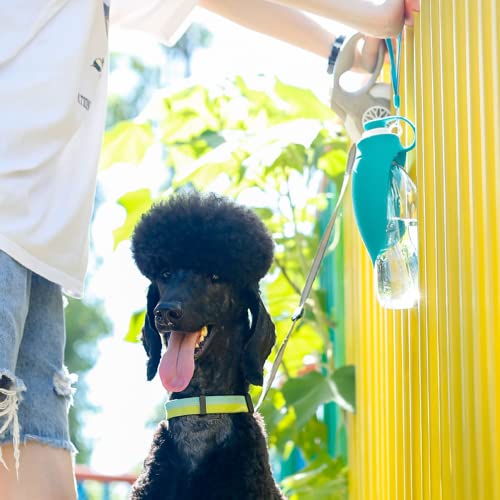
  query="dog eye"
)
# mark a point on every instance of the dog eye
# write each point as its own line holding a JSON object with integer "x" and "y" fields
{"x": 214, "y": 278}
{"x": 165, "y": 275}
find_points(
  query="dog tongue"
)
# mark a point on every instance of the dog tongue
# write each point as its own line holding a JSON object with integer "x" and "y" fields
{"x": 177, "y": 364}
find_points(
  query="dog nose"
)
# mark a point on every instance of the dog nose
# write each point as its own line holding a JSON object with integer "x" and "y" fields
{"x": 169, "y": 311}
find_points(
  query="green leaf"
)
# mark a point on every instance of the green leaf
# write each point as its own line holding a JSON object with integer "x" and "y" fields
{"x": 345, "y": 382}
{"x": 293, "y": 156}
{"x": 135, "y": 203}
{"x": 302, "y": 103}
{"x": 333, "y": 162}
{"x": 283, "y": 299}
{"x": 281, "y": 425}
{"x": 205, "y": 171}
{"x": 312, "y": 439}
{"x": 306, "y": 393}
{"x": 323, "y": 479}
{"x": 213, "y": 139}
{"x": 126, "y": 142}
{"x": 189, "y": 113}
{"x": 183, "y": 155}
{"x": 260, "y": 104}
{"x": 306, "y": 341}
{"x": 135, "y": 326}
{"x": 264, "y": 213}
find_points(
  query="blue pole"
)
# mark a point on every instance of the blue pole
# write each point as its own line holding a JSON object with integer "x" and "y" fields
{"x": 106, "y": 491}
{"x": 80, "y": 490}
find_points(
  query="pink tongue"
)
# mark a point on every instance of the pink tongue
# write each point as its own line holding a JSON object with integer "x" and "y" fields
{"x": 177, "y": 364}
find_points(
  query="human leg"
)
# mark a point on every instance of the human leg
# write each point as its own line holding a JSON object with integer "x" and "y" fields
{"x": 15, "y": 288}
{"x": 45, "y": 473}
{"x": 49, "y": 393}
{"x": 45, "y": 463}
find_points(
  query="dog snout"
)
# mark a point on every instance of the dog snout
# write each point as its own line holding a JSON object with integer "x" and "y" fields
{"x": 168, "y": 312}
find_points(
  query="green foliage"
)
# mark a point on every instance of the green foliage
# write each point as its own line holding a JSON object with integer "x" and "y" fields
{"x": 85, "y": 325}
{"x": 344, "y": 387}
{"x": 135, "y": 203}
{"x": 277, "y": 146}
{"x": 135, "y": 326}
{"x": 323, "y": 478}
{"x": 128, "y": 142}
{"x": 306, "y": 393}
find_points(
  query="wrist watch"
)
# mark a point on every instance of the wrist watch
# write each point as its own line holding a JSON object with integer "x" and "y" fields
{"x": 334, "y": 53}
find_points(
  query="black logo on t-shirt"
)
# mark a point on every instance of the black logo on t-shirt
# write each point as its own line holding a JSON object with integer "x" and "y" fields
{"x": 98, "y": 63}
{"x": 83, "y": 101}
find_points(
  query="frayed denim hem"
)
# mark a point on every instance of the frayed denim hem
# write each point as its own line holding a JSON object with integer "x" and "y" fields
{"x": 9, "y": 405}
{"x": 53, "y": 443}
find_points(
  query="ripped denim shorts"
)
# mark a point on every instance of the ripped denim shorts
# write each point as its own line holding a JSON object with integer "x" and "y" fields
{"x": 35, "y": 387}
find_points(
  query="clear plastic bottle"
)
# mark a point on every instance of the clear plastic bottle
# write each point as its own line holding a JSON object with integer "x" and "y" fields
{"x": 396, "y": 268}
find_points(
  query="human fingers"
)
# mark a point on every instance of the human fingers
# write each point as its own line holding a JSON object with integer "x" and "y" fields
{"x": 367, "y": 54}
{"x": 410, "y": 7}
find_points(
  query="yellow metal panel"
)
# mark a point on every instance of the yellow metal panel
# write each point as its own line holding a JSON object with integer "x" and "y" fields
{"x": 428, "y": 419}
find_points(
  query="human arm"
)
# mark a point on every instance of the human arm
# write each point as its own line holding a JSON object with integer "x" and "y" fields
{"x": 288, "y": 25}
{"x": 378, "y": 18}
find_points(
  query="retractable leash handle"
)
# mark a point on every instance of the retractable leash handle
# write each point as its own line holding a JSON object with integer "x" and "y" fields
{"x": 372, "y": 100}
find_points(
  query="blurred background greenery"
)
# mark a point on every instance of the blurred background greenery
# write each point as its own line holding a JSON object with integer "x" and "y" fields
{"x": 279, "y": 149}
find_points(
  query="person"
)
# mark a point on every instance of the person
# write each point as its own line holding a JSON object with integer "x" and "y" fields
{"x": 53, "y": 73}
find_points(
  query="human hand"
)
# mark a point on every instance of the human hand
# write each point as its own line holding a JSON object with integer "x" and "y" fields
{"x": 410, "y": 7}
{"x": 366, "y": 57}
{"x": 366, "y": 54}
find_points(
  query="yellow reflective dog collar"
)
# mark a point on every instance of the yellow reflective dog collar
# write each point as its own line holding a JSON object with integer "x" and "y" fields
{"x": 205, "y": 405}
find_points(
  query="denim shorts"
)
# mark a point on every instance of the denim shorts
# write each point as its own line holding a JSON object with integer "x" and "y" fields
{"x": 35, "y": 386}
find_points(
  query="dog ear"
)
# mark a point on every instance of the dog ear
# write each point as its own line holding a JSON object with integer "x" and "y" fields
{"x": 150, "y": 337}
{"x": 260, "y": 342}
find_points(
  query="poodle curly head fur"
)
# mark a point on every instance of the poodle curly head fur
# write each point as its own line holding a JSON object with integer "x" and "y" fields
{"x": 206, "y": 233}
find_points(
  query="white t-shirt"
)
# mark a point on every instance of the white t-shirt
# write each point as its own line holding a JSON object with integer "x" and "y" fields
{"x": 53, "y": 76}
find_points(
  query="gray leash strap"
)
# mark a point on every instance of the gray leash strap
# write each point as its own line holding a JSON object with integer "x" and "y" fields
{"x": 313, "y": 273}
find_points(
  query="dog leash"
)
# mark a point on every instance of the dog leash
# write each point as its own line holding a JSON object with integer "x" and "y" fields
{"x": 313, "y": 273}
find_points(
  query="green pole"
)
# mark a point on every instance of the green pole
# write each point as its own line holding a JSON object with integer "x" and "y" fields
{"x": 332, "y": 281}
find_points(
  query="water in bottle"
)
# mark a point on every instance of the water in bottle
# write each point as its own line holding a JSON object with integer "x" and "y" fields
{"x": 396, "y": 268}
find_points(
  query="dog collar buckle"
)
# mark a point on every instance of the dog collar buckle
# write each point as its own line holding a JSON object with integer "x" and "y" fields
{"x": 249, "y": 402}
{"x": 203, "y": 405}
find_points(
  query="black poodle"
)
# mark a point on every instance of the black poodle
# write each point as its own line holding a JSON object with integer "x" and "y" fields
{"x": 205, "y": 255}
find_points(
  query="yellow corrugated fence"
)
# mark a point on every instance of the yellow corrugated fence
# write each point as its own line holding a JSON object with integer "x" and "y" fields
{"x": 428, "y": 380}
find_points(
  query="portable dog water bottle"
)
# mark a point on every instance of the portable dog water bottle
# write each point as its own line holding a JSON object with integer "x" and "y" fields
{"x": 385, "y": 204}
